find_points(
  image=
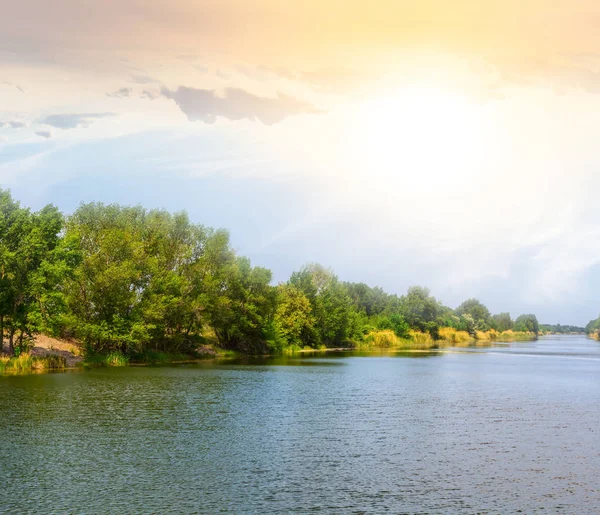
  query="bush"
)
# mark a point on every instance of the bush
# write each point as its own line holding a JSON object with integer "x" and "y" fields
{"x": 452, "y": 335}
{"x": 385, "y": 338}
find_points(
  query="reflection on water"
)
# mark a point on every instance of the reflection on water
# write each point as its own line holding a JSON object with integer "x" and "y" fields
{"x": 466, "y": 430}
{"x": 325, "y": 358}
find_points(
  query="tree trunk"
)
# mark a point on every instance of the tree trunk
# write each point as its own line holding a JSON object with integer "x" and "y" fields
{"x": 1, "y": 334}
{"x": 11, "y": 340}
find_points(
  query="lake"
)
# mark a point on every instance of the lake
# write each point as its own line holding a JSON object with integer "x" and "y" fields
{"x": 479, "y": 430}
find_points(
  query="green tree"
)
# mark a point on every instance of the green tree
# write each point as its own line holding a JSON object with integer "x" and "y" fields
{"x": 244, "y": 312}
{"x": 396, "y": 323}
{"x": 27, "y": 243}
{"x": 293, "y": 316}
{"x": 336, "y": 318}
{"x": 421, "y": 310}
{"x": 503, "y": 322}
{"x": 477, "y": 311}
{"x": 527, "y": 323}
{"x": 593, "y": 326}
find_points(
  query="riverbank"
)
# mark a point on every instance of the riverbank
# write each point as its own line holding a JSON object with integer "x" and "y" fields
{"x": 53, "y": 354}
{"x": 46, "y": 354}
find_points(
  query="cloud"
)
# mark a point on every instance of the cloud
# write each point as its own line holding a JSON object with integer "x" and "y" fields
{"x": 151, "y": 95}
{"x": 143, "y": 79}
{"x": 71, "y": 121}
{"x": 12, "y": 124}
{"x": 235, "y": 104}
{"x": 44, "y": 134}
{"x": 16, "y": 86}
{"x": 121, "y": 93}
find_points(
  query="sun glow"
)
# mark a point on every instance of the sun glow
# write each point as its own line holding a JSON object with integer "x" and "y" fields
{"x": 416, "y": 138}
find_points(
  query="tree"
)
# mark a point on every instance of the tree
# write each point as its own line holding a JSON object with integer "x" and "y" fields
{"x": 27, "y": 243}
{"x": 243, "y": 313}
{"x": 396, "y": 323}
{"x": 420, "y": 310}
{"x": 477, "y": 311}
{"x": 370, "y": 301}
{"x": 503, "y": 322}
{"x": 527, "y": 323}
{"x": 593, "y": 326}
{"x": 294, "y": 320}
{"x": 336, "y": 319}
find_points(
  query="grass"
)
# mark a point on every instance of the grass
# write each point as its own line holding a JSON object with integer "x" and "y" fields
{"x": 111, "y": 359}
{"x": 25, "y": 363}
{"x": 448, "y": 337}
{"x": 388, "y": 339}
{"x": 506, "y": 336}
{"x": 451, "y": 335}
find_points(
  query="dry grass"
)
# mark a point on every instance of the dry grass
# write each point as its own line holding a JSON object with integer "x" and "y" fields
{"x": 384, "y": 339}
{"x": 451, "y": 335}
{"x": 387, "y": 339}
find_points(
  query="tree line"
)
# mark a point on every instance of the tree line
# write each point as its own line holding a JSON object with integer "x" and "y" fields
{"x": 561, "y": 329}
{"x": 133, "y": 280}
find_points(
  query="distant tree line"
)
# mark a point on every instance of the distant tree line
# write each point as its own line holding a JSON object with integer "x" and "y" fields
{"x": 133, "y": 280}
{"x": 561, "y": 329}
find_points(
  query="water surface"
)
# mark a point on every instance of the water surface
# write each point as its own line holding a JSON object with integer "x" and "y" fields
{"x": 492, "y": 430}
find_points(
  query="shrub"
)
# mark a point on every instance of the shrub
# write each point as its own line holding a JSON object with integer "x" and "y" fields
{"x": 384, "y": 338}
{"x": 452, "y": 335}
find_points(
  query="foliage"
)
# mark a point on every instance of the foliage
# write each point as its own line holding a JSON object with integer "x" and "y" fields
{"x": 335, "y": 317}
{"x": 33, "y": 264}
{"x": 294, "y": 320}
{"x": 527, "y": 323}
{"x": 561, "y": 329}
{"x": 451, "y": 335}
{"x": 502, "y": 322}
{"x": 137, "y": 284}
{"x": 593, "y": 328}
{"x": 25, "y": 362}
{"x": 383, "y": 339}
{"x": 478, "y": 313}
{"x": 421, "y": 310}
{"x": 396, "y": 323}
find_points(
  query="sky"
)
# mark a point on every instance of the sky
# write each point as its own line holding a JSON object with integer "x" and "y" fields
{"x": 446, "y": 144}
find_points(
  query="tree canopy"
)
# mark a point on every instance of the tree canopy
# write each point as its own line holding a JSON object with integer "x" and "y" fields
{"x": 128, "y": 279}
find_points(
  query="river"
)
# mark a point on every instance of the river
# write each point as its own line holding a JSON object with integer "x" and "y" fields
{"x": 479, "y": 430}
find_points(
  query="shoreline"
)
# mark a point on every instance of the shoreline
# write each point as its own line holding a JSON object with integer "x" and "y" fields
{"x": 70, "y": 354}
{"x": 46, "y": 347}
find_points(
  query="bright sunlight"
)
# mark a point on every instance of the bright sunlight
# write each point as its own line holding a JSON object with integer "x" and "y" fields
{"x": 414, "y": 137}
